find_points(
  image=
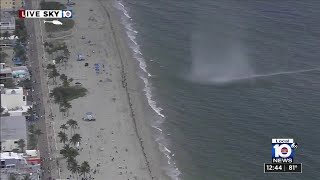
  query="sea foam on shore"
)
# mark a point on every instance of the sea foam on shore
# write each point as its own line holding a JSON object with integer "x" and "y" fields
{"x": 126, "y": 20}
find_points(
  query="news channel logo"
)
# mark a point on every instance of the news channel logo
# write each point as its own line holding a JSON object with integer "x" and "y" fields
{"x": 67, "y": 13}
{"x": 283, "y": 150}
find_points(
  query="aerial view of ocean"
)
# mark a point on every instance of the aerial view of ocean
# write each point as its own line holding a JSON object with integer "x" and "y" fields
{"x": 224, "y": 77}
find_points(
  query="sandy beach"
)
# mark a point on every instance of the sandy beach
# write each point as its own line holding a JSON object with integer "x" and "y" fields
{"x": 118, "y": 145}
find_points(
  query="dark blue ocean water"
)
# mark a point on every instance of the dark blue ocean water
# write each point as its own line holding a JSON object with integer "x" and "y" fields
{"x": 229, "y": 76}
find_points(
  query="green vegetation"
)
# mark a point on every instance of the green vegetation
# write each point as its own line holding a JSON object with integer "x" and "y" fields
{"x": 34, "y": 134}
{"x": 59, "y": 49}
{"x": 67, "y": 25}
{"x": 63, "y": 137}
{"x": 53, "y": 74}
{"x": 6, "y": 35}
{"x": 12, "y": 177}
{"x": 21, "y": 144}
{"x": 70, "y": 153}
{"x": 74, "y": 167}
{"x": 51, "y": 66}
{"x": 27, "y": 177}
{"x": 73, "y": 125}
{"x": 3, "y": 57}
{"x": 75, "y": 139}
{"x": 64, "y": 127}
{"x": 30, "y": 111}
{"x": 85, "y": 169}
{"x": 32, "y": 142}
{"x": 55, "y": 46}
{"x": 21, "y": 30}
{"x": 27, "y": 84}
{"x": 64, "y": 94}
{"x": 20, "y": 52}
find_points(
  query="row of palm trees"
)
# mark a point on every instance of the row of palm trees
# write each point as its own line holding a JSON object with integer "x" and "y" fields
{"x": 69, "y": 152}
{"x": 34, "y": 134}
{"x": 65, "y": 105}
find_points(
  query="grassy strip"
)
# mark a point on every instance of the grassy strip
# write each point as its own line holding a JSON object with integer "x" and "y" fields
{"x": 67, "y": 25}
{"x": 64, "y": 94}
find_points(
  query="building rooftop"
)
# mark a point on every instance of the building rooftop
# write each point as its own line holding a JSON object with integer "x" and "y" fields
{"x": 11, "y": 155}
{"x": 18, "y": 90}
{"x": 9, "y": 145}
{"x": 32, "y": 153}
{"x": 5, "y": 70}
{"x": 7, "y": 21}
{"x": 13, "y": 127}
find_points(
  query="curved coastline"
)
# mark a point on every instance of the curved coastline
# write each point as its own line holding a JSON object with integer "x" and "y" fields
{"x": 133, "y": 87}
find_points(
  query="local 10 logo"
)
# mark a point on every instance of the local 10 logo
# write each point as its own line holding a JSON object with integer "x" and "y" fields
{"x": 283, "y": 150}
{"x": 66, "y": 13}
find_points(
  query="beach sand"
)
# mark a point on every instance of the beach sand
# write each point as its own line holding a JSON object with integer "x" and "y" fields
{"x": 119, "y": 144}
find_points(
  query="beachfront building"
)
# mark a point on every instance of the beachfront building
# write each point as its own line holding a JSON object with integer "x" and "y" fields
{"x": 14, "y": 74}
{"x": 17, "y": 164}
{"x": 14, "y": 101}
{"x": 11, "y": 5}
{"x": 12, "y": 160}
{"x": 20, "y": 72}
{"x": 7, "y": 22}
{"x": 5, "y": 73}
{"x": 12, "y": 128}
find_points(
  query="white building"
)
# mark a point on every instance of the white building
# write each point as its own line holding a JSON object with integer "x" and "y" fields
{"x": 7, "y": 22}
{"x": 14, "y": 101}
{"x": 12, "y": 160}
{"x": 5, "y": 73}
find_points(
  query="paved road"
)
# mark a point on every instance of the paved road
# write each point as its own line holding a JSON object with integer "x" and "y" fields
{"x": 36, "y": 62}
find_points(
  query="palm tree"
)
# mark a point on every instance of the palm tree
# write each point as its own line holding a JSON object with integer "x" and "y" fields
{"x": 30, "y": 111}
{"x": 27, "y": 177}
{"x": 6, "y": 35}
{"x": 38, "y": 132}
{"x": 75, "y": 139}
{"x": 69, "y": 152}
{"x": 32, "y": 129}
{"x": 63, "y": 137}
{"x": 67, "y": 106}
{"x": 73, "y": 124}
{"x": 70, "y": 160}
{"x": 74, "y": 168}
{"x": 53, "y": 74}
{"x": 51, "y": 66}
{"x": 72, "y": 153}
{"x": 66, "y": 52}
{"x": 12, "y": 177}
{"x": 65, "y": 150}
{"x": 64, "y": 127}
{"x": 63, "y": 110}
{"x": 21, "y": 143}
{"x": 66, "y": 83}
{"x": 84, "y": 168}
{"x": 63, "y": 77}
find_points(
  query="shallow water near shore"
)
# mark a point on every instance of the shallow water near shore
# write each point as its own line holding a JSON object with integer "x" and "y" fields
{"x": 211, "y": 131}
